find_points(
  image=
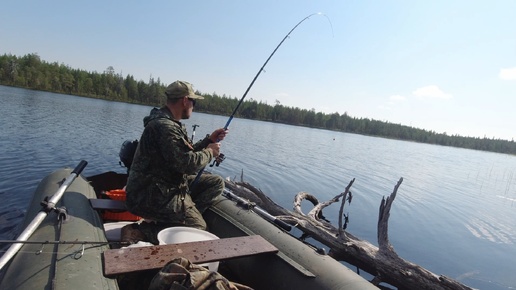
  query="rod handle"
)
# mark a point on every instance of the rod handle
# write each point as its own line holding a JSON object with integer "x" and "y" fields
{"x": 283, "y": 224}
{"x": 78, "y": 169}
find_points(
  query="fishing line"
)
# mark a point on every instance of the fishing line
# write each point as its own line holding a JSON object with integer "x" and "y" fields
{"x": 83, "y": 251}
{"x": 256, "y": 77}
{"x": 63, "y": 242}
{"x": 69, "y": 252}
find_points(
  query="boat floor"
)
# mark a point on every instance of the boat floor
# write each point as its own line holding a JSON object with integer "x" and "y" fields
{"x": 142, "y": 279}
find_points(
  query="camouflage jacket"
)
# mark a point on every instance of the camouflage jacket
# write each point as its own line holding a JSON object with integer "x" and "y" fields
{"x": 164, "y": 158}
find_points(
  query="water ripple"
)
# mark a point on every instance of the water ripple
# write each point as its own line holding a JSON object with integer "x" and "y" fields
{"x": 451, "y": 203}
{"x": 489, "y": 228}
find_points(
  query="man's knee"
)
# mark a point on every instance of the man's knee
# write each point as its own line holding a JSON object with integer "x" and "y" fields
{"x": 196, "y": 221}
{"x": 214, "y": 181}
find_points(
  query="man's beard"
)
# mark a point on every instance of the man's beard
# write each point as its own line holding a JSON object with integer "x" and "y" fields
{"x": 185, "y": 114}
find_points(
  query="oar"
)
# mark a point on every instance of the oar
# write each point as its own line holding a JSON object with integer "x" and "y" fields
{"x": 193, "y": 133}
{"x": 258, "y": 210}
{"x": 31, "y": 228}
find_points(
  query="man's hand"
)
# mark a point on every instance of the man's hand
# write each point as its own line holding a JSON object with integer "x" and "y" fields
{"x": 215, "y": 148}
{"x": 218, "y": 135}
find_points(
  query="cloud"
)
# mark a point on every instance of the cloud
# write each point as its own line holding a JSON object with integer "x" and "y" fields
{"x": 397, "y": 98}
{"x": 433, "y": 92}
{"x": 508, "y": 74}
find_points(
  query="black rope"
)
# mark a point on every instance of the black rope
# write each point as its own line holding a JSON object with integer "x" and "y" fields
{"x": 61, "y": 216}
{"x": 63, "y": 242}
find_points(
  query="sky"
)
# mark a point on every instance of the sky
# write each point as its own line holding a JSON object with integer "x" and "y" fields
{"x": 444, "y": 66}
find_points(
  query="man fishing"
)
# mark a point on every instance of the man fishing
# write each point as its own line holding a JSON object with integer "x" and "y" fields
{"x": 159, "y": 186}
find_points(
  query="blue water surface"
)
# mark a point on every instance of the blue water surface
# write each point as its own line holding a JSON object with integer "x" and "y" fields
{"x": 455, "y": 212}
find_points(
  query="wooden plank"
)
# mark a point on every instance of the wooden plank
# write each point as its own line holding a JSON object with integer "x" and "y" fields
{"x": 109, "y": 204}
{"x": 119, "y": 261}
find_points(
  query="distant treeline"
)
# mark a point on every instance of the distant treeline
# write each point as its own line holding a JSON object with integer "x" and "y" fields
{"x": 31, "y": 72}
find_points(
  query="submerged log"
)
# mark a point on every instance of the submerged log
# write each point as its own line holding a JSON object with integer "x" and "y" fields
{"x": 382, "y": 262}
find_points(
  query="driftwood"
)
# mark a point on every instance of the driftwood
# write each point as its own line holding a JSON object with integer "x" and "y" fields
{"x": 382, "y": 262}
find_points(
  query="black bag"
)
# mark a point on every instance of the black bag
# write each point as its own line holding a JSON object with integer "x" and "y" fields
{"x": 127, "y": 152}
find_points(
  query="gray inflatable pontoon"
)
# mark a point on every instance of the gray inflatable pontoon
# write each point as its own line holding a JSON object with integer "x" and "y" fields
{"x": 74, "y": 266}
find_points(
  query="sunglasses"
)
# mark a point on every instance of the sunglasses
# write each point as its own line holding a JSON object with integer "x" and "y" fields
{"x": 193, "y": 101}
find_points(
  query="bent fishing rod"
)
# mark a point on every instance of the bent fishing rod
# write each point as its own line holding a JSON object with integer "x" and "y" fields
{"x": 263, "y": 66}
{"x": 252, "y": 83}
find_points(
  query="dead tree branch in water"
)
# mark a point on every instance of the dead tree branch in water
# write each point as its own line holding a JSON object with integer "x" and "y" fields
{"x": 383, "y": 221}
{"x": 382, "y": 262}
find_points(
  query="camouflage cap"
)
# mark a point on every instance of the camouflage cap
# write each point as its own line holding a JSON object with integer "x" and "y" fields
{"x": 180, "y": 89}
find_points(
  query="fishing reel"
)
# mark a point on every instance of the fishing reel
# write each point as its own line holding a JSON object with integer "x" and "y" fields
{"x": 218, "y": 160}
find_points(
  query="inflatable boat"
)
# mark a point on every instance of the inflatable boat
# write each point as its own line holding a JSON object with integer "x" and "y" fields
{"x": 69, "y": 247}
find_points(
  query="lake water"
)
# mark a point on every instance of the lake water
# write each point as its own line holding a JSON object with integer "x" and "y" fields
{"x": 455, "y": 212}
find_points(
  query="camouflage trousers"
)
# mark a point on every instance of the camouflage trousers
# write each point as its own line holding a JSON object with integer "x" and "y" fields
{"x": 203, "y": 194}
{"x": 178, "y": 209}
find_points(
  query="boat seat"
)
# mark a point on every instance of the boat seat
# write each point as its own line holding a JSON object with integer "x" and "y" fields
{"x": 108, "y": 204}
{"x": 113, "y": 209}
{"x": 127, "y": 260}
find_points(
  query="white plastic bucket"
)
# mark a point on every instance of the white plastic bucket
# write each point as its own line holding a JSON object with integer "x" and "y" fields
{"x": 178, "y": 235}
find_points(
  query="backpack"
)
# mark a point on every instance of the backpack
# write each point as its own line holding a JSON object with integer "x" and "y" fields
{"x": 181, "y": 274}
{"x": 127, "y": 152}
